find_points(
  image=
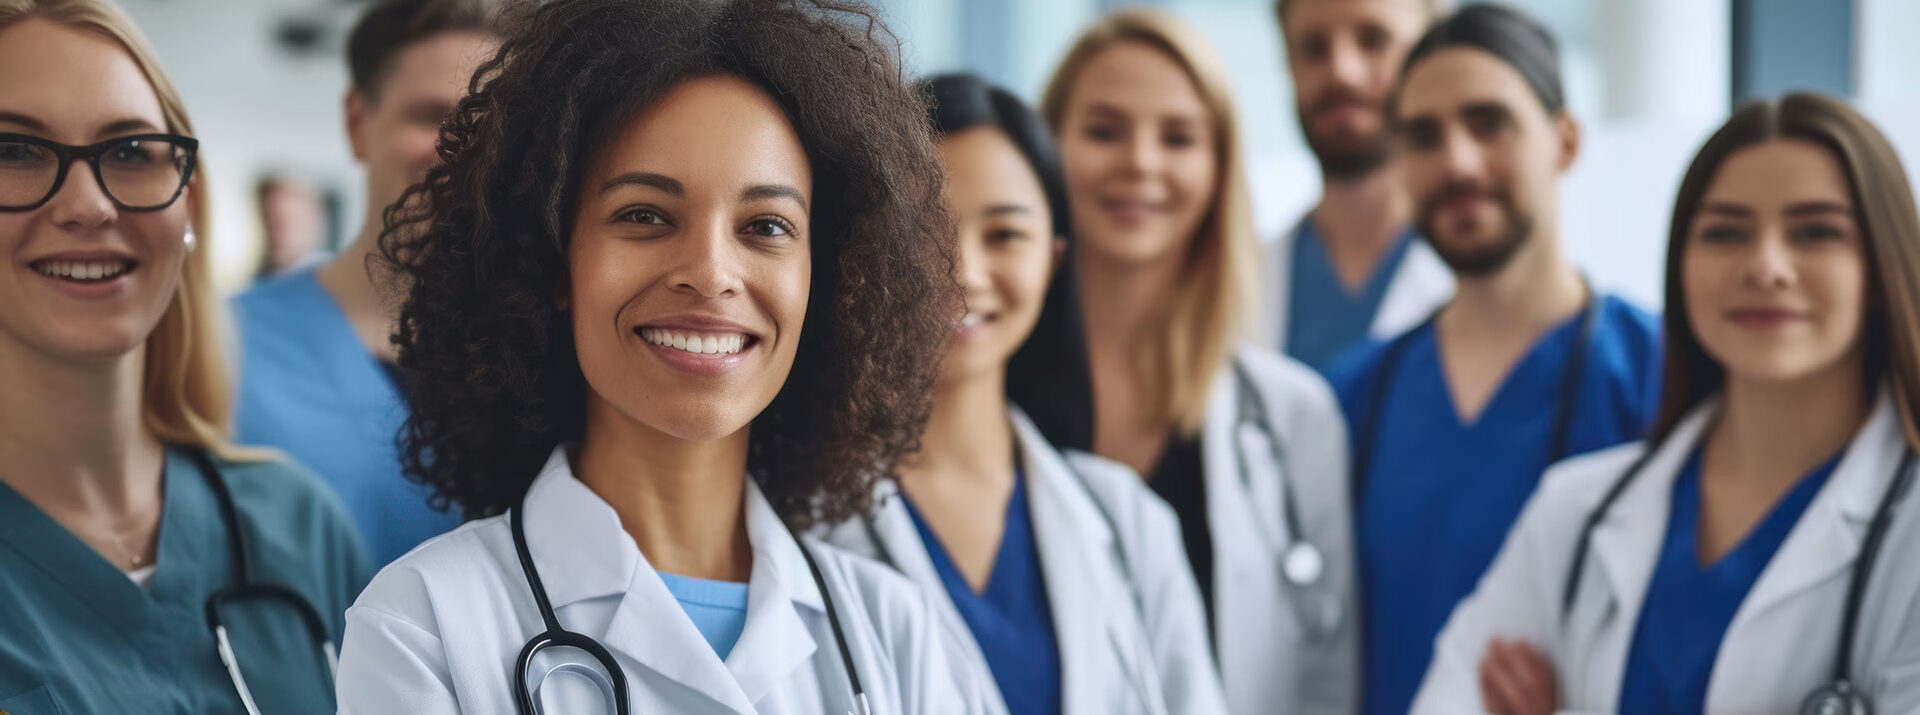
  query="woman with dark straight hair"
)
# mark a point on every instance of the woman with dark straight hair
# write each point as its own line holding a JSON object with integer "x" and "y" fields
{"x": 1063, "y": 576}
{"x": 1750, "y": 555}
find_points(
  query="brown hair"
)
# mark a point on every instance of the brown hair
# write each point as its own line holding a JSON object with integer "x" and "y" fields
{"x": 389, "y": 27}
{"x": 1884, "y": 208}
{"x": 1434, "y": 8}
{"x": 187, "y": 399}
{"x": 1197, "y": 332}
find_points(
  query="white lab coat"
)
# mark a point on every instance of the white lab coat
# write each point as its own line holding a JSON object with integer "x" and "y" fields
{"x": 1782, "y": 641}
{"x": 1127, "y": 615}
{"x": 438, "y": 630}
{"x": 1419, "y": 286}
{"x": 1270, "y": 661}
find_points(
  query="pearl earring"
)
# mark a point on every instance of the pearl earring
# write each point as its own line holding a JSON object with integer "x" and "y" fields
{"x": 189, "y": 239}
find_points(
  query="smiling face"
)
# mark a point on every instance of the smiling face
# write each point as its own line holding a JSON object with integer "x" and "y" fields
{"x": 1007, "y": 249}
{"x": 84, "y": 280}
{"x": 1344, "y": 56}
{"x": 690, "y": 262}
{"x": 1482, "y": 157}
{"x": 1774, "y": 267}
{"x": 1140, "y": 154}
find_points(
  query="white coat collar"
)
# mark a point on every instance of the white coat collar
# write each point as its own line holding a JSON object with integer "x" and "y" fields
{"x": 1076, "y": 547}
{"x": 1821, "y": 546}
{"x": 583, "y": 553}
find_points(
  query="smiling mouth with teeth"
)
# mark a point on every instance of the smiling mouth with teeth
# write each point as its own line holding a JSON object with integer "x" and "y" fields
{"x": 696, "y": 342}
{"x": 84, "y": 271}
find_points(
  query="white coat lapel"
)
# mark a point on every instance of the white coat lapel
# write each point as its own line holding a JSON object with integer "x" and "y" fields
{"x": 583, "y": 553}
{"x": 1094, "y": 617}
{"x": 1810, "y": 572}
{"x": 782, "y": 601}
{"x": 1277, "y": 276}
{"x": 1419, "y": 286}
{"x": 1626, "y": 546}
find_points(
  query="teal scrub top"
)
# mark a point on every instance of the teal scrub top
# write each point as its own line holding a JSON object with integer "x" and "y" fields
{"x": 78, "y": 636}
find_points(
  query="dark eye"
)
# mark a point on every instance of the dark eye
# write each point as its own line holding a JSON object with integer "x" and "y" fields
{"x": 1373, "y": 39}
{"x": 770, "y": 227}
{"x": 131, "y": 153}
{"x": 21, "y": 153}
{"x": 1421, "y": 136}
{"x": 1178, "y": 140}
{"x": 1486, "y": 125}
{"x": 1723, "y": 233}
{"x": 643, "y": 215}
{"x": 1005, "y": 235}
{"x": 1816, "y": 232}
{"x": 1102, "y": 133}
{"x": 1313, "y": 48}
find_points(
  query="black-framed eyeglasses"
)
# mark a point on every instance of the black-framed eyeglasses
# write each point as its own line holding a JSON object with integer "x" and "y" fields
{"x": 143, "y": 172}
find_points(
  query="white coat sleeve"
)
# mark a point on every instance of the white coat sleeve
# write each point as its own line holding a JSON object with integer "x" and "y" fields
{"x": 1517, "y": 599}
{"x": 1176, "y": 621}
{"x": 390, "y": 665}
{"x": 933, "y": 681}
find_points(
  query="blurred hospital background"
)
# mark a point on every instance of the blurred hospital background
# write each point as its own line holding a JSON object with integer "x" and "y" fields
{"x": 1649, "y": 78}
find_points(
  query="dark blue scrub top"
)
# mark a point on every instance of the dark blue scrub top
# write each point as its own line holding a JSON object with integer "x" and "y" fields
{"x": 1012, "y": 620}
{"x": 1688, "y": 607}
{"x": 1441, "y": 495}
{"x": 1324, "y": 321}
{"x": 309, "y": 389}
{"x": 77, "y": 636}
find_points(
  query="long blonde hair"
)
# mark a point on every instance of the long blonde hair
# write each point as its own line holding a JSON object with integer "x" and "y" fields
{"x": 1195, "y": 336}
{"x": 187, "y": 399}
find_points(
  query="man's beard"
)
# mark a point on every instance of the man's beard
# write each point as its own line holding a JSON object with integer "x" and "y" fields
{"x": 1484, "y": 260}
{"x": 1346, "y": 158}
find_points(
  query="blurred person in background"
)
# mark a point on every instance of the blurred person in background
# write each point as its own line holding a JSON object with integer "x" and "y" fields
{"x": 293, "y": 222}
{"x": 145, "y": 565}
{"x": 1353, "y": 268}
{"x": 1063, "y": 577}
{"x": 1246, "y": 445}
{"x": 317, "y": 376}
{"x": 1454, "y": 421}
{"x": 1750, "y": 555}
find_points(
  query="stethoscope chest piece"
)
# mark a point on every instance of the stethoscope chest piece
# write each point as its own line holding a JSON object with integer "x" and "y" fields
{"x": 1303, "y": 564}
{"x": 1840, "y": 698}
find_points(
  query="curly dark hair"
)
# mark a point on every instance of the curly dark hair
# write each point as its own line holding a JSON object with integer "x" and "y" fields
{"x": 487, "y": 358}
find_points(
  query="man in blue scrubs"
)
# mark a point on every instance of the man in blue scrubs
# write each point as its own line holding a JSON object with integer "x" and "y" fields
{"x": 1352, "y": 267}
{"x": 317, "y": 375}
{"x": 1454, "y": 421}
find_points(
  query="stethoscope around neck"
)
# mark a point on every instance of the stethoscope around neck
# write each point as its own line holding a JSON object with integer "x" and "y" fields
{"x": 1839, "y": 696}
{"x": 1302, "y": 565}
{"x": 614, "y": 685}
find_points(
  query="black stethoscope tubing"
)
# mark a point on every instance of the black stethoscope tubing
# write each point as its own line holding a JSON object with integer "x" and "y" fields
{"x": 1840, "y": 697}
{"x": 556, "y": 636}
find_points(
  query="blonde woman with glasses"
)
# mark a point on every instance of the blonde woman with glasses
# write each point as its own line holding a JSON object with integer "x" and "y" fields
{"x": 145, "y": 565}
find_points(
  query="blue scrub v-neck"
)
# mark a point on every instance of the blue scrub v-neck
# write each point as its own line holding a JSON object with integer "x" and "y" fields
{"x": 1441, "y": 493}
{"x": 1323, "y": 319}
{"x": 1689, "y": 606}
{"x": 1012, "y": 620}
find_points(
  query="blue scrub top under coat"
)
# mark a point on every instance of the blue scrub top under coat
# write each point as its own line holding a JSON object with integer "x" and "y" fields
{"x": 311, "y": 390}
{"x": 78, "y": 636}
{"x": 1012, "y": 621}
{"x": 1688, "y": 608}
{"x": 1441, "y": 495}
{"x": 1324, "y": 321}
{"x": 718, "y": 608}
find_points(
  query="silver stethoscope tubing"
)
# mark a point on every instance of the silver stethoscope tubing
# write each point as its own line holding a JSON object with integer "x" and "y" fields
{"x": 1839, "y": 696}
{"x": 557, "y": 637}
{"x": 1302, "y": 563}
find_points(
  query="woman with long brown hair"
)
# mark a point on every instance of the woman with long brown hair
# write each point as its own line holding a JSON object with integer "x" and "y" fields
{"x": 1247, "y": 446}
{"x": 139, "y": 553}
{"x": 1748, "y": 557}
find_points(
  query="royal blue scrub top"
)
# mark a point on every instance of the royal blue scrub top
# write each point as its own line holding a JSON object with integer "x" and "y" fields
{"x": 1012, "y": 621}
{"x": 718, "y": 608}
{"x": 78, "y": 636}
{"x": 310, "y": 389}
{"x": 1688, "y": 606}
{"x": 1436, "y": 504}
{"x": 1324, "y": 321}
